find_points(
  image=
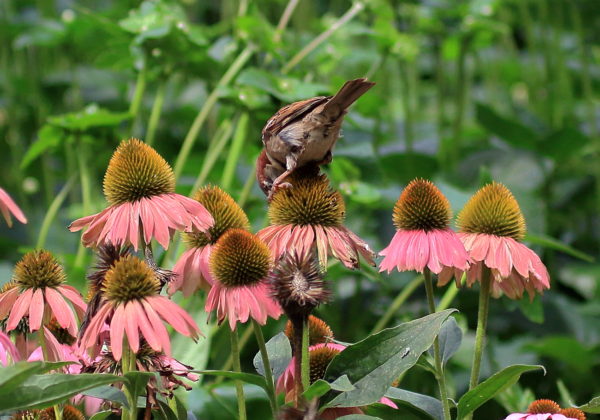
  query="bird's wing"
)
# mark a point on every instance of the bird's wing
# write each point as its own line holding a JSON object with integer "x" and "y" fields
{"x": 291, "y": 113}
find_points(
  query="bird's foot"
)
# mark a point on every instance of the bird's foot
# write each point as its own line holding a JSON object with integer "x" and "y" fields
{"x": 277, "y": 187}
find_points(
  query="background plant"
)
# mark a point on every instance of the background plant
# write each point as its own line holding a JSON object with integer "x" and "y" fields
{"x": 466, "y": 91}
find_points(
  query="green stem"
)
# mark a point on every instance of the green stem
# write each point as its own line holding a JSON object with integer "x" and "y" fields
{"x": 267, "y": 367}
{"x": 229, "y": 362}
{"x": 353, "y": 11}
{"x": 239, "y": 388}
{"x": 58, "y": 411}
{"x": 461, "y": 99}
{"x": 157, "y": 106}
{"x": 52, "y": 211}
{"x": 86, "y": 195}
{"x": 191, "y": 136}
{"x": 439, "y": 368}
{"x": 406, "y": 292}
{"x": 247, "y": 188}
{"x": 138, "y": 95}
{"x": 128, "y": 365}
{"x": 305, "y": 354}
{"x": 482, "y": 316}
{"x": 450, "y": 294}
{"x": 235, "y": 151}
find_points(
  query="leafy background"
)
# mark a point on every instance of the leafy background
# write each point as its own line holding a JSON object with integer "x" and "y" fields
{"x": 467, "y": 91}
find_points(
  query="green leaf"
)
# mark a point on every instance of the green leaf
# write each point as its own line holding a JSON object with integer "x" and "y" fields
{"x": 109, "y": 393}
{"x": 317, "y": 389}
{"x": 12, "y": 376}
{"x": 424, "y": 403}
{"x": 91, "y": 116}
{"x": 492, "y": 386}
{"x": 342, "y": 384}
{"x": 137, "y": 381}
{"x": 374, "y": 363}
{"x": 563, "y": 143}
{"x": 45, "y": 32}
{"x": 49, "y": 137}
{"x": 402, "y": 168}
{"x": 449, "y": 338}
{"x": 511, "y": 131}
{"x": 566, "y": 349}
{"x": 165, "y": 411}
{"x": 280, "y": 354}
{"x": 101, "y": 415}
{"x": 359, "y": 417}
{"x": 245, "y": 377}
{"x": 286, "y": 89}
{"x": 551, "y": 243}
{"x": 41, "y": 391}
{"x": 593, "y": 406}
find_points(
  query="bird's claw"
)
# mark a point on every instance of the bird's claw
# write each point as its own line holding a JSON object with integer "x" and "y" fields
{"x": 277, "y": 187}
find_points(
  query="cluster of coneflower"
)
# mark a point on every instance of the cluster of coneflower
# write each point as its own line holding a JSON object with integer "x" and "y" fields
{"x": 247, "y": 277}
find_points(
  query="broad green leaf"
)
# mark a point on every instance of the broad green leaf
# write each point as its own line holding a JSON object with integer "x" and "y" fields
{"x": 424, "y": 403}
{"x": 91, "y": 116}
{"x": 101, "y": 415}
{"x": 137, "y": 381}
{"x": 593, "y": 406}
{"x": 280, "y": 355}
{"x": 107, "y": 392}
{"x": 12, "y": 376}
{"x": 49, "y": 137}
{"x": 342, "y": 384}
{"x": 511, "y": 131}
{"x": 245, "y": 377}
{"x": 358, "y": 417}
{"x": 566, "y": 349}
{"x": 563, "y": 143}
{"x": 40, "y": 391}
{"x": 317, "y": 389}
{"x": 374, "y": 363}
{"x": 450, "y": 337}
{"x": 489, "y": 388}
{"x": 548, "y": 242}
{"x": 165, "y": 412}
{"x": 286, "y": 89}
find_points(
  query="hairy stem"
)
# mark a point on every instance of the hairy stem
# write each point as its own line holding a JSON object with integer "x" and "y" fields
{"x": 439, "y": 368}
{"x": 267, "y": 367}
{"x": 239, "y": 388}
{"x": 482, "y": 317}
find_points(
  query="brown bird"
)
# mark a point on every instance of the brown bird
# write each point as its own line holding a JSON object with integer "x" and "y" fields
{"x": 304, "y": 132}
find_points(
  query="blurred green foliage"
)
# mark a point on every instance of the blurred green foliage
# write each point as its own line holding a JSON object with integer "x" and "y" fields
{"x": 467, "y": 91}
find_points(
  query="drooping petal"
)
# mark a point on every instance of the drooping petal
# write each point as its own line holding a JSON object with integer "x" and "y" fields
{"x": 19, "y": 310}
{"x": 36, "y": 310}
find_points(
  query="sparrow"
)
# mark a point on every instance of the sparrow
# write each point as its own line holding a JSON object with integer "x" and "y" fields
{"x": 304, "y": 132}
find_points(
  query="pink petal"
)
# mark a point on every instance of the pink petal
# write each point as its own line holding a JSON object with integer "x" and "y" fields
{"x": 117, "y": 329}
{"x": 19, "y": 309}
{"x": 158, "y": 327}
{"x": 7, "y": 203}
{"x": 131, "y": 325}
{"x": 36, "y": 310}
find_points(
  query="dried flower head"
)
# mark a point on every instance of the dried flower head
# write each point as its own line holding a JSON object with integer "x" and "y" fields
{"x": 136, "y": 171}
{"x": 239, "y": 258}
{"x": 297, "y": 283}
{"x": 310, "y": 201}
{"x": 224, "y": 210}
{"x": 422, "y": 206}
{"x": 318, "y": 331}
{"x": 493, "y": 210}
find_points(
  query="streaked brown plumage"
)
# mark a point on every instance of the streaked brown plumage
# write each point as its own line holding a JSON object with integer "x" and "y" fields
{"x": 304, "y": 132}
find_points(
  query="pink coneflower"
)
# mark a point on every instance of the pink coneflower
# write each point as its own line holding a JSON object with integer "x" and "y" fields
{"x": 8, "y": 351}
{"x": 8, "y": 207}
{"x": 547, "y": 410}
{"x": 192, "y": 272}
{"x": 491, "y": 228}
{"x": 423, "y": 238}
{"x": 38, "y": 292}
{"x": 320, "y": 355}
{"x": 239, "y": 264}
{"x": 310, "y": 214}
{"x": 140, "y": 188}
{"x": 133, "y": 308}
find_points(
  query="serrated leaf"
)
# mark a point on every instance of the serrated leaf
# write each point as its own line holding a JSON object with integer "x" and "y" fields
{"x": 492, "y": 386}
{"x": 279, "y": 351}
{"x": 41, "y": 391}
{"x": 375, "y": 362}
{"x": 424, "y": 403}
